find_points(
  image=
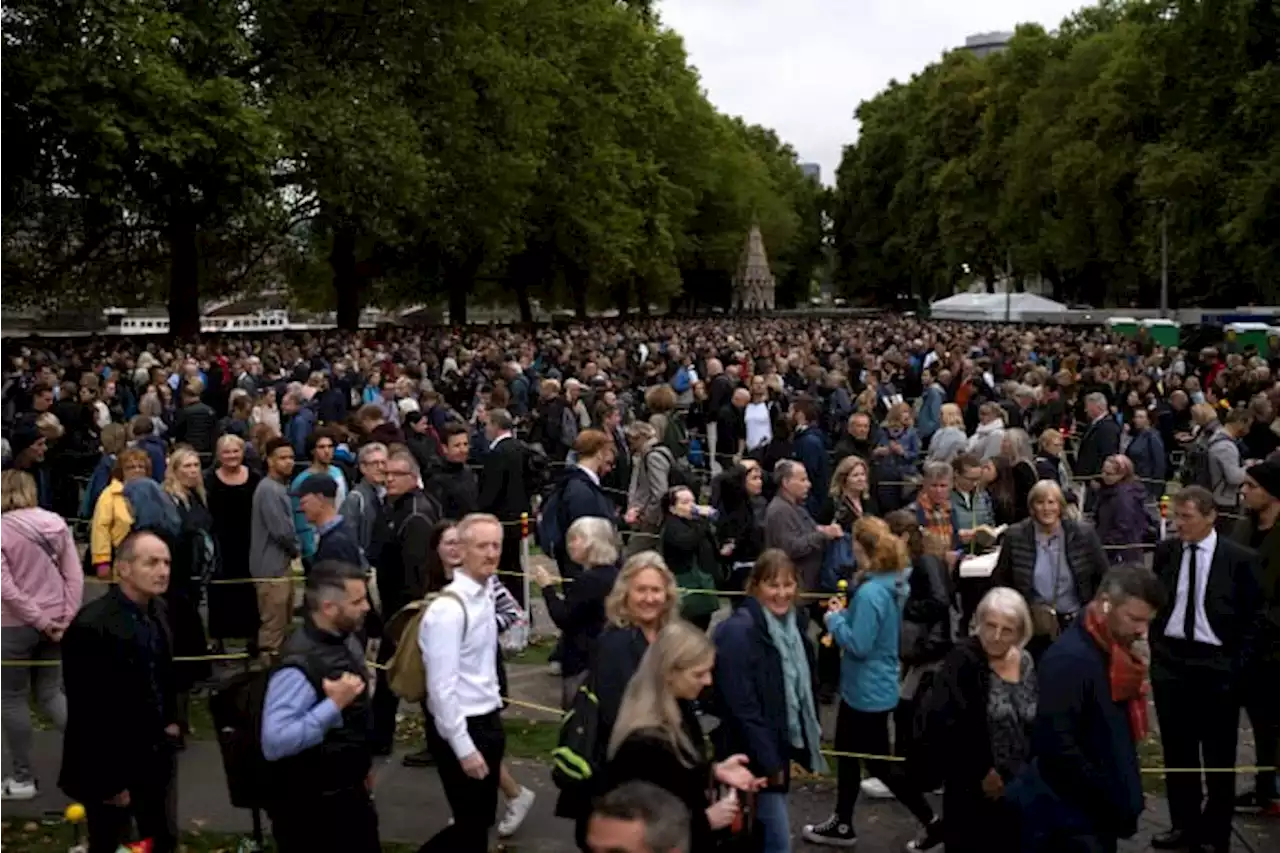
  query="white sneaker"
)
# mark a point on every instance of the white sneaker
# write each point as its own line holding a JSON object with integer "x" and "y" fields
{"x": 875, "y": 789}
{"x": 14, "y": 790}
{"x": 517, "y": 810}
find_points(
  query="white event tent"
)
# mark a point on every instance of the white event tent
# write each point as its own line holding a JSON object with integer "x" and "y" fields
{"x": 996, "y": 307}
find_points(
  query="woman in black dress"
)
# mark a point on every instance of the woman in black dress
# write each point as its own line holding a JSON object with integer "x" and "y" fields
{"x": 229, "y": 486}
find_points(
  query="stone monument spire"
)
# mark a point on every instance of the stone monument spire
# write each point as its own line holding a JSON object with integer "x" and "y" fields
{"x": 753, "y": 285}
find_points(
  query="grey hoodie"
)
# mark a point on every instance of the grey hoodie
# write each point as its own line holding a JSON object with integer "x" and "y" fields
{"x": 272, "y": 541}
{"x": 1225, "y": 471}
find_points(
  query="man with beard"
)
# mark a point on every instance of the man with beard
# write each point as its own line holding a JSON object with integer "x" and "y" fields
{"x": 1258, "y": 530}
{"x": 1084, "y": 791}
{"x": 315, "y": 722}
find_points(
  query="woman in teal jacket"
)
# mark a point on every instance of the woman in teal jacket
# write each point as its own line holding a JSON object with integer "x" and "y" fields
{"x": 866, "y": 631}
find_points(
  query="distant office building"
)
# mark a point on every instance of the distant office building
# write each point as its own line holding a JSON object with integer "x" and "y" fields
{"x": 812, "y": 170}
{"x": 985, "y": 44}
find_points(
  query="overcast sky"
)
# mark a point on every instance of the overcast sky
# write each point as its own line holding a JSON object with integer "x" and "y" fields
{"x": 802, "y": 67}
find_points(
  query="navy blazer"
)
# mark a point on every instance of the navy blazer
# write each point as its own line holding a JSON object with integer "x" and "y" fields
{"x": 750, "y": 692}
{"x": 1085, "y": 761}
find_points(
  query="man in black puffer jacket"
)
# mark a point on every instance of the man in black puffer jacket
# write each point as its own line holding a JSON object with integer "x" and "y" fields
{"x": 195, "y": 424}
{"x": 322, "y": 677}
{"x": 453, "y": 484}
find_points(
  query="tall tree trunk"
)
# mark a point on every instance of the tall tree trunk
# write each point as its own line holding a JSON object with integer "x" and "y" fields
{"x": 184, "y": 280}
{"x": 522, "y": 299}
{"x": 622, "y": 297}
{"x": 642, "y": 297}
{"x": 346, "y": 280}
{"x": 578, "y": 286}
{"x": 458, "y": 301}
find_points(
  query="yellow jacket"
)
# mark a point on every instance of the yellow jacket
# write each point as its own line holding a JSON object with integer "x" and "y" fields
{"x": 112, "y": 521}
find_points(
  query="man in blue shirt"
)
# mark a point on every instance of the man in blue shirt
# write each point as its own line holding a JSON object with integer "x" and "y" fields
{"x": 315, "y": 722}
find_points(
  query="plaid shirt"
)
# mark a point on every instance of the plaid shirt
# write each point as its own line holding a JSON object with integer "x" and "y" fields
{"x": 936, "y": 520}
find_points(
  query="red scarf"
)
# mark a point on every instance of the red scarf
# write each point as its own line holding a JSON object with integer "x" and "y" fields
{"x": 1126, "y": 671}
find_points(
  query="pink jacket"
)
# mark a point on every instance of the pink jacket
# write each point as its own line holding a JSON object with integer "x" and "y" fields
{"x": 40, "y": 572}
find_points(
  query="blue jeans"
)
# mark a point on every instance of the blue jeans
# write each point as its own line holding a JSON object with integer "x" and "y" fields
{"x": 775, "y": 823}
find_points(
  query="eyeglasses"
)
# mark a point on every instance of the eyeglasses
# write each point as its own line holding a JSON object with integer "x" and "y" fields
{"x": 391, "y": 473}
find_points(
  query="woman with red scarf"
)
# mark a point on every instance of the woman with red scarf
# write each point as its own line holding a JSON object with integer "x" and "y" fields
{"x": 1082, "y": 790}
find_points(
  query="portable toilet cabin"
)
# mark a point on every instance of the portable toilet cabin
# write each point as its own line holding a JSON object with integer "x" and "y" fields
{"x": 1273, "y": 338}
{"x": 1243, "y": 335}
{"x": 1163, "y": 332}
{"x": 1125, "y": 327}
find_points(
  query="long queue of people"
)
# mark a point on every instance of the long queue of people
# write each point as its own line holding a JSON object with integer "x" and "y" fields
{"x": 820, "y": 454}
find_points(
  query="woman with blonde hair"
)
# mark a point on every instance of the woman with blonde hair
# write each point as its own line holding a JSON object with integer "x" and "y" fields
{"x": 950, "y": 439}
{"x": 43, "y": 584}
{"x": 193, "y": 561}
{"x": 867, "y": 632}
{"x": 658, "y": 738}
{"x": 849, "y": 494}
{"x": 643, "y": 601}
{"x": 895, "y": 456}
{"x": 978, "y": 718}
{"x": 229, "y": 487}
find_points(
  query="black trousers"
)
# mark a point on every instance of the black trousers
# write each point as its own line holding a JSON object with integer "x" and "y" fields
{"x": 384, "y": 704}
{"x": 349, "y": 823}
{"x": 1262, "y": 703}
{"x": 509, "y": 567}
{"x": 474, "y": 802}
{"x": 152, "y": 809}
{"x": 867, "y": 732}
{"x": 1199, "y": 717}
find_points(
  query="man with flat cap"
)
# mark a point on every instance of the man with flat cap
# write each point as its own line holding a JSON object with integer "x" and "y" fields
{"x": 316, "y": 496}
{"x": 1260, "y": 497}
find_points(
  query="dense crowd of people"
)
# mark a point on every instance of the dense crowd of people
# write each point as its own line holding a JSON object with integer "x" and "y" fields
{"x": 958, "y": 535}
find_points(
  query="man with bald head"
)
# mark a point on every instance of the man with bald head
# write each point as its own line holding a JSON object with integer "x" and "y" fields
{"x": 117, "y": 659}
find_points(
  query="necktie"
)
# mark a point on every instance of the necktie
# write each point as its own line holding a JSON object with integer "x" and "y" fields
{"x": 1189, "y": 617}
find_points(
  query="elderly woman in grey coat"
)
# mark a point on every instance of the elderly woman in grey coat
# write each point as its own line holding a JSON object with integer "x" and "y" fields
{"x": 650, "y": 471}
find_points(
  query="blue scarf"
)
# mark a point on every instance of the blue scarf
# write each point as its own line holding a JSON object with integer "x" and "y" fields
{"x": 803, "y": 729}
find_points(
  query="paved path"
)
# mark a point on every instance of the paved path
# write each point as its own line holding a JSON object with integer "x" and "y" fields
{"x": 411, "y": 806}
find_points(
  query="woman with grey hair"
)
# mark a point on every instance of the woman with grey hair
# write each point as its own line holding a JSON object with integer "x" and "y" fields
{"x": 578, "y": 608}
{"x": 976, "y": 736}
{"x": 1016, "y": 449}
{"x": 650, "y": 470}
{"x": 1054, "y": 562}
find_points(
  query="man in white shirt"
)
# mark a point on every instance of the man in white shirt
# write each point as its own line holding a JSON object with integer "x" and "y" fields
{"x": 1203, "y": 646}
{"x": 459, "y": 644}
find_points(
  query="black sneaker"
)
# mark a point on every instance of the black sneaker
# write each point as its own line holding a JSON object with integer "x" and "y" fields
{"x": 929, "y": 839}
{"x": 421, "y": 758}
{"x": 1250, "y": 802}
{"x": 830, "y": 833}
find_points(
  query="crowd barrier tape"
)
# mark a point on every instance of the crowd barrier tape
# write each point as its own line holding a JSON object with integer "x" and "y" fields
{"x": 867, "y": 756}
{"x": 559, "y": 713}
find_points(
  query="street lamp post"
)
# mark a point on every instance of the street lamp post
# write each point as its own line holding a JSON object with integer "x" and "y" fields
{"x": 1164, "y": 260}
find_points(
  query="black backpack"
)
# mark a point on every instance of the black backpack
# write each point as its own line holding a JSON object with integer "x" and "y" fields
{"x": 537, "y": 470}
{"x": 1195, "y": 467}
{"x": 236, "y": 707}
{"x": 577, "y": 758}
